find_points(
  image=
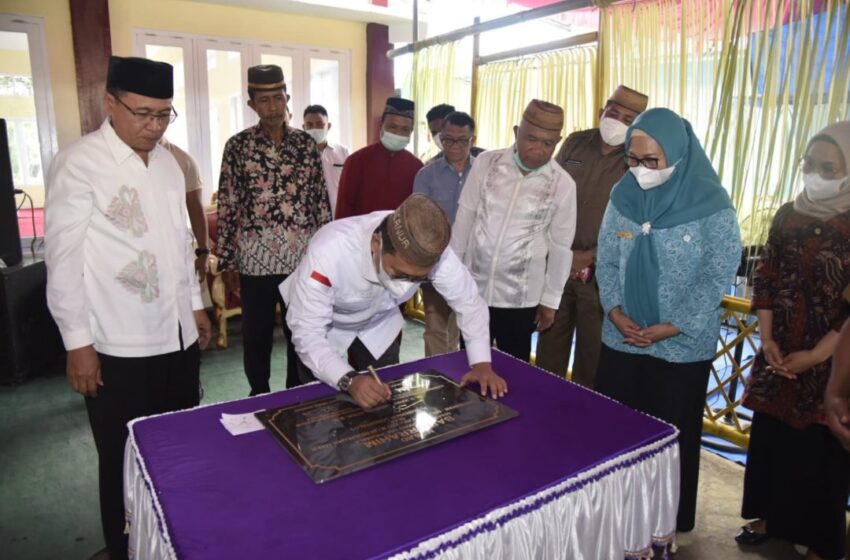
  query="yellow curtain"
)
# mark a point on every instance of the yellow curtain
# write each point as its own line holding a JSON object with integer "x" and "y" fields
{"x": 750, "y": 75}
{"x": 566, "y": 78}
{"x": 782, "y": 76}
{"x": 667, "y": 49}
{"x": 440, "y": 74}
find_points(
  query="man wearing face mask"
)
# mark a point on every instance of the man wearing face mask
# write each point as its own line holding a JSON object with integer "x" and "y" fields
{"x": 344, "y": 297}
{"x": 333, "y": 156}
{"x": 380, "y": 176}
{"x": 594, "y": 159}
{"x": 514, "y": 229}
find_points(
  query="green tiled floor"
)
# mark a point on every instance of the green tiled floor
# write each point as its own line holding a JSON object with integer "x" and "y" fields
{"x": 48, "y": 475}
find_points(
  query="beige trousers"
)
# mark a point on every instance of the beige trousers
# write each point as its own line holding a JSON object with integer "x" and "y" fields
{"x": 441, "y": 332}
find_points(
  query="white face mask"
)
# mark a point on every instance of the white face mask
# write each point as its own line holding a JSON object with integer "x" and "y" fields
{"x": 320, "y": 135}
{"x": 818, "y": 188}
{"x": 651, "y": 178}
{"x": 437, "y": 141}
{"x": 394, "y": 142}
{"x": 613, "y": 131}
{"x": 398, "y": 289}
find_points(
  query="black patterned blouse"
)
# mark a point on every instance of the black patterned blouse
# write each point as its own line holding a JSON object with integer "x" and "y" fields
{"x": 271, "y": 201}
{"x": 803, "y": 271}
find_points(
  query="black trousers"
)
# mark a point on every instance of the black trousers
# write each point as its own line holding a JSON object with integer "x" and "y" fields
{"x": 360, "y": 358}
{"x": 133, "y": 387}
{"x": 798, "y": 481}
{"x": 674, "y": 393}
{"x": 511, "y": 330}
{"x": 260, "y": 296}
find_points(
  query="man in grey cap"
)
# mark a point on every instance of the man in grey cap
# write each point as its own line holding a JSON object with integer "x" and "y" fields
{"x": 345, "y": 296}
{"x": 272, "y": 199}
{"x": 121, "y": 282}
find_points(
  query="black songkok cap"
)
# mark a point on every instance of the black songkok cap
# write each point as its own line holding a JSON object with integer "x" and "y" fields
{"x": 141, "y": 76}
{"x": 266, "y": 77}
{"x": 399, "y": 106}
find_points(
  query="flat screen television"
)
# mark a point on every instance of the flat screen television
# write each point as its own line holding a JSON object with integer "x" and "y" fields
{"x": 10, "y": 235}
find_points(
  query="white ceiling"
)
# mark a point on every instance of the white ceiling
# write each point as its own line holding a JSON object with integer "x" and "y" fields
{"x": 398, "y": 11}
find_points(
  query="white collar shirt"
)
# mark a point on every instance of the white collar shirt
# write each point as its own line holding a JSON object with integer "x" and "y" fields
{"x": 515, "y": 232}
{"x": 333, "y": 158}
{"x": 118, "y": 249}
{"x": 334, "y": 296}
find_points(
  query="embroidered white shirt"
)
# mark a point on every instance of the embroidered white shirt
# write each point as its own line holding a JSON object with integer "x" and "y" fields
{"x": 515, "y": 232}
{"x": 333, "y": 156}
{"x": 118, "y": 249}
{"x": 334, "y": 297}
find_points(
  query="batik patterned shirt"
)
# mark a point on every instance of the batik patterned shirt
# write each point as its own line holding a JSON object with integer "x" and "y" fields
{"x": 801, "y": 275}
{"x": 272, "y": 199}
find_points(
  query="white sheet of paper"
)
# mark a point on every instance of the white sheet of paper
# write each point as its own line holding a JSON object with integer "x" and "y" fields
{"x": 238, "y": 424}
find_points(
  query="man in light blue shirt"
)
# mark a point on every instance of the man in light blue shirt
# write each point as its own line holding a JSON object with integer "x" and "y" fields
{"x": 442, "y": 180}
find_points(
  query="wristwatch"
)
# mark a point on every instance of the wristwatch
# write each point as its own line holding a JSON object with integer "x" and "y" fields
{"x": 201, "y": 252}
{"x": 345, "y": 381}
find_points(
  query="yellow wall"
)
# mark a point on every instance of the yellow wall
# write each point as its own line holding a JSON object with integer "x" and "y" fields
{"x": 227, "y": 21}
{"x": 60, "y": 59}
{"x": 188, "y": 17}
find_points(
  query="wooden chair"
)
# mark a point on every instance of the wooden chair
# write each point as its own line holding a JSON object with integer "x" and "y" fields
{"x": 225, "y": 305}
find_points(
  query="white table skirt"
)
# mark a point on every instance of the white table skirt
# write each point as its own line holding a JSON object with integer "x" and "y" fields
{"x": 615, "y": 510}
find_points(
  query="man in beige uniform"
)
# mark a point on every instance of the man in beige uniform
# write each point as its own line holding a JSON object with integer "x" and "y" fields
{"x": 194, "y": 203}
{"x": 594, "y": 159}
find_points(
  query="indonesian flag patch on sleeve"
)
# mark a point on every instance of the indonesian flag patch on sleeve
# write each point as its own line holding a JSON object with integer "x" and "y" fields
{"x": 320, "y": 278}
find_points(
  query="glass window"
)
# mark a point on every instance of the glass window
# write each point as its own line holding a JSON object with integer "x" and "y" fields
{"x": 178, "y": 131}
{"x": 17, "y": 106}
{"x": 224, "y": 82}
{"x": 324, "y": 91}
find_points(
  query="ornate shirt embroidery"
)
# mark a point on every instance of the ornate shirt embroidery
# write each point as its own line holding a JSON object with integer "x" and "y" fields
{"x": 125, "y": 212}
{"x": 141, "y": 277}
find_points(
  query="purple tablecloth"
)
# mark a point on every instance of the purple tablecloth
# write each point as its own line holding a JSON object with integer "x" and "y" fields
{"x": 223, "y": 497}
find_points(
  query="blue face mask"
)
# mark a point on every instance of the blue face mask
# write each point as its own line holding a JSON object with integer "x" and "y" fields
{"x": 523, "y": 166}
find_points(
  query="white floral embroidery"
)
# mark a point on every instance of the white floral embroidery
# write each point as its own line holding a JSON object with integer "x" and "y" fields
{"x": 125, "y": 212}
{"x": 141, "y": 277}
{"x": 646, "y": 228}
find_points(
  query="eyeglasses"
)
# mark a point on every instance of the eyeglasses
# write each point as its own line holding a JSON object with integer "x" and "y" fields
{"x": 449, "y": 142}
{"x": 648, "y": 162}
{"x": 827, "y": 169}
{"x": 148, "y": 117}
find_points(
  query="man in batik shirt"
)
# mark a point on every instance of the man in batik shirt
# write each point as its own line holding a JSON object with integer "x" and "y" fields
{"x": 272, "y": 198}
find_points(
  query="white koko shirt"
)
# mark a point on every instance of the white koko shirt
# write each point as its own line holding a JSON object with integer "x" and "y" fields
{"x": 333, "y": 156}
{"x": 515, "y": 232}
{"x": 118, "y": 249}
{"x": 334, "y": 297}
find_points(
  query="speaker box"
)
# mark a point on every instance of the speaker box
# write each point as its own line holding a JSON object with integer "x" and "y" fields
{"x": 29, "y": 338}
{"x": 10, "y": 236}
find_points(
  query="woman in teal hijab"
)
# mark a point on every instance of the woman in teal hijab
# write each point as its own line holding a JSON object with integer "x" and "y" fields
{"x": 668, "y": 250}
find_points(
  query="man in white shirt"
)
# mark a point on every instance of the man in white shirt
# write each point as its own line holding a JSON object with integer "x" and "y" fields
{"x": 345, "y": 296}
{"x": 514, "y": 229}
{"x": 333, "y": 156}
{"x": 121, "y": 283}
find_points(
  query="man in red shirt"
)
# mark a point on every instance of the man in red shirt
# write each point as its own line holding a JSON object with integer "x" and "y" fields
{"x": 380, "y": 176}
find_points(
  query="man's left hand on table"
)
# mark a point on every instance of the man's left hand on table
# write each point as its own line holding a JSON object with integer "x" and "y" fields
{"x": 487, "y": 379}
